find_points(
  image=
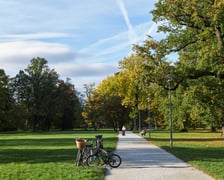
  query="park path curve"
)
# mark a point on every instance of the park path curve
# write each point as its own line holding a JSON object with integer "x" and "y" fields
{"x": 141, "y": 160}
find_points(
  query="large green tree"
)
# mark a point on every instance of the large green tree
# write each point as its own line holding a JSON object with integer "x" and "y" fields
{"x": 196, "y": 32}
{"x": 68, "y": 106}
{"x": 194, "y": 38}
{"x": 44, "y": 100}
{"x": 35, "y": 91}
{"x": 7, "y": 108}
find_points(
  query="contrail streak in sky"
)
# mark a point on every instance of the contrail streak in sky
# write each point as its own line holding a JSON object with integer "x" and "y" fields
{"x": 131, "y": 31}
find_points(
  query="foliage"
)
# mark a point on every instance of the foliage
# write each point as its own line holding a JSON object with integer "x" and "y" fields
{"x": 196, "y": 36}
{"x": 7, "y": 108}
{"x": 191, "y": 50}
{"x": 36, "y": 99}
{"x": 103, "y": 107}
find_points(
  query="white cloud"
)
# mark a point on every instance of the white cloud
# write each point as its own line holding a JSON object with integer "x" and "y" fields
{"x": 132, "y": 35}
{"x": 11, "y": 51}
{"x": 79, "y": 39}
{"x": 15, "y": 56}
{"x": 84, "y": 69}
{"x": 33, "y": 36}
{"x": 118, "y": 44}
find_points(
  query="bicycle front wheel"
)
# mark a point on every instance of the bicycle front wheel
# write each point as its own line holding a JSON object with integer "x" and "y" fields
{"x": 114, "y": 160}
{"x": 93, "y": 161}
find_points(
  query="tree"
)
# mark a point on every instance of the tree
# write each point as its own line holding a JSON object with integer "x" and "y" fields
{"x": 44, "y": 100}
{"x": 35, "y": 91}
{"x": 89, "y": 88}
{"x": 68, "y": 106}
{"x": 22, "y": 97}
{"x": 195, "y": 30}
{"x": 7, "y": 113}
{"x": 115, "y": 114}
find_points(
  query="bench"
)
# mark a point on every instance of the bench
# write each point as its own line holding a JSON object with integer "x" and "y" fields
{"x": 143, "y": 132}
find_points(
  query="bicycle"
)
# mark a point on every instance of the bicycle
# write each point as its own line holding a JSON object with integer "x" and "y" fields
{"x": 102, "y": 157}
{"x": 84, "y": 153}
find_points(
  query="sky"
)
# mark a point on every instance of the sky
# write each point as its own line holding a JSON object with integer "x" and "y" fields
{"x": 81, "y": 40}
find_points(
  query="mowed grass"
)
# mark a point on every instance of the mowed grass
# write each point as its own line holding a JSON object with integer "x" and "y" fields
{"x": 48, "y": 155}
{"x": 202, "y": 149}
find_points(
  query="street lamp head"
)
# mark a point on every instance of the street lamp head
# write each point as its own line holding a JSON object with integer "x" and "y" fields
{"x": 169, "y": 77}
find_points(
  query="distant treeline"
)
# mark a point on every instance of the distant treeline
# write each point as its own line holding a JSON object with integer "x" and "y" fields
{"x": 36, "y": 99}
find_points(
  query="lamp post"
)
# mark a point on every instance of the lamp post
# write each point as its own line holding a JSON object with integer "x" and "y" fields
{"x": 169, "y": 76}
{"x": 135, "y": 112}
{"x": 149, "y": 126}
{"x": 138, "y": 113}
{"x": 139, "y": 120}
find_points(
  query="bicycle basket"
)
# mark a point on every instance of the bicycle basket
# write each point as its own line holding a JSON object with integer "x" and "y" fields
{"x": 80, "y": 143}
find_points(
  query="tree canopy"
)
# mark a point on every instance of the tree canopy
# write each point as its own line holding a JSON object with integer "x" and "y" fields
{"x": 194, "y": 32}
{"x": 36, "y": 99}
{"x": 191, "y": 50}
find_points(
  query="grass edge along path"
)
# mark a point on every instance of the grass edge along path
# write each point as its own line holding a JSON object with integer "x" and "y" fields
{"x": 202, "y": 149}
{"x": 48, "y": 155}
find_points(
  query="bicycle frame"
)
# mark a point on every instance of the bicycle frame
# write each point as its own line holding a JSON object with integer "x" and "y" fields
{"x": 102, "y": 157}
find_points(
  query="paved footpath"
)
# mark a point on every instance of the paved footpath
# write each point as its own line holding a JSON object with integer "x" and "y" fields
{"x": 142, "y": 160}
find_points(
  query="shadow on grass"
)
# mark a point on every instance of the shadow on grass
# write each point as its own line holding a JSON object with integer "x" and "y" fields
{"x": 37, "y": 142}
{"x": 211, "y": 154}
{"x": 36, "y": 155}
{"x": 54, "y": 132}
{"x": 41, "y": 150}
{"x": 195, "y": 149}
{"x": 191, "y": 139}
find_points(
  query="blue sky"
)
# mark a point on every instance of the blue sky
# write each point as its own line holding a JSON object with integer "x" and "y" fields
{"x": 82, "y": 40}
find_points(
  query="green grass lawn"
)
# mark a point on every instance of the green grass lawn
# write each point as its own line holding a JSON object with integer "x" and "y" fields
{"x": 204, "y": 150}
{"x": 48, "y": 155}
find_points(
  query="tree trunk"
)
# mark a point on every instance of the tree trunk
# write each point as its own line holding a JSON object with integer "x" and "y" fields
{"x": 222, "y": 134}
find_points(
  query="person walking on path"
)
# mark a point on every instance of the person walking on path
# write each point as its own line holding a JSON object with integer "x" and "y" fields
{"x": 123, "y": 130}
{"x": 142, "y": 160}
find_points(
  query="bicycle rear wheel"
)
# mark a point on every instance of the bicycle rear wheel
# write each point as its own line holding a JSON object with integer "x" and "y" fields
{"x": 114, "y": 160}
{"x": 93, "y": 161}
{"x": 79, "y": 158}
